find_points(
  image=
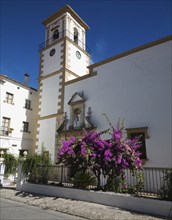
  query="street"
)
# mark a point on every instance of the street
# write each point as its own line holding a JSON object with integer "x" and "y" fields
{"x": 11, "y": 210}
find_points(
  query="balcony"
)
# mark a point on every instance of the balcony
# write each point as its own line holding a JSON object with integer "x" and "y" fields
{"x": 6, "y": 132}
{"x": 62, "y": 34}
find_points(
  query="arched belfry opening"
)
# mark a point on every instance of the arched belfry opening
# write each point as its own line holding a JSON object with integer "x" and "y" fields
{"x": 56, "y": 34}
{"x": 75, "y": 35}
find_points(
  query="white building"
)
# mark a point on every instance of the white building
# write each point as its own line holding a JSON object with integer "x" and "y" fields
{"x": 17, "y": 115}
{"x": 134, "y": 86}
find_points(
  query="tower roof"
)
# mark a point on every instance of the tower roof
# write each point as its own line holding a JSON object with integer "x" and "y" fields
{"x": 66, "y": 8}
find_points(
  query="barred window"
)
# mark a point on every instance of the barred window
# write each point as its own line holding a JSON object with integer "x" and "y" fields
{"x": 25, "y": 126}
{"x": 28, "y": 104}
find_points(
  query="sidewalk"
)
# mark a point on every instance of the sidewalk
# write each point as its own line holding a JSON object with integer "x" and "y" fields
{"x": 87, "y": 210}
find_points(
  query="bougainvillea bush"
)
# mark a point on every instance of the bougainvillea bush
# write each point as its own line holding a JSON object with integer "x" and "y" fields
{"x": 109, "y": 157}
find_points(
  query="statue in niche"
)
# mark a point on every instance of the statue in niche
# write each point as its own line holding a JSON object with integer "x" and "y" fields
{"x": 76, "y": 117}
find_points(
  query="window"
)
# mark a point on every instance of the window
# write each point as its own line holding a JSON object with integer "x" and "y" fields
{"x": 75, "y": 36}
{"x": 22, "y": 153}
{"x": 9, "y": 98}
{"x": 142, "y": 133}
{"x": 28, "y": 104}
{"x": 3, "y": 151}
{"x": 142, "y": 149}
{"x": 5, "y": 126}
{"x": 25, "y": 126}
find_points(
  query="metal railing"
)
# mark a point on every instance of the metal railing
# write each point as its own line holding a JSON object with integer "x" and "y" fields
{"x": 62, "y": 34}
{"x": 145, "y": 182}
{"x": 153, "y": 179}
{"x": 5, "y": 133}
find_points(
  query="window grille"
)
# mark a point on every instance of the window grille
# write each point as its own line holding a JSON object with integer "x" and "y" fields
{"x": 28, "y": 104}
{"x": 25, "y": 126}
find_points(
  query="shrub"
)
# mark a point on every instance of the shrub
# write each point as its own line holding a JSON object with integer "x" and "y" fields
{"x": 108, "y": 157}
{"x": 165, "y": 191}
{"x": 83, "y": 179}
{"x": 11, "y": 163}
{"x": 36, "y": 168}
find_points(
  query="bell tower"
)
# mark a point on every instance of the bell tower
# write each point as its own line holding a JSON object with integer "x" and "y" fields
{"x": 63, "y": 57}
{"x": 65, "y": 45}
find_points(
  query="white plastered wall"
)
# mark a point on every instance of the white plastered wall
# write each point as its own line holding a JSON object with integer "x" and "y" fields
{"x": 78, "y": 66}
{"x": 50, "y": 93}
{"x": 52, "y": 63}
{"x": 47, "y": 133}
{"x": 136, "y": 88}
{"x": 17, "y": 139}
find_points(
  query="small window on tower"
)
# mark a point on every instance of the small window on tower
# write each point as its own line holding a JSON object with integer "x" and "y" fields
{"x": 56, "y": 34}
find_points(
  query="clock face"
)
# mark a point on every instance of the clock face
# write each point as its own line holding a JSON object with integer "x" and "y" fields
{"x": 52, "y": 52}
{"x": 78, "y": 54}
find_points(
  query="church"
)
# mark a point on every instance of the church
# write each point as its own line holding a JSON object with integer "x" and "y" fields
{"x": 74, "y": 94}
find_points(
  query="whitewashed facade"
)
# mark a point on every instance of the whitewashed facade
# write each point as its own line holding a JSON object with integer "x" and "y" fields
{"x": 135, "y": 87}
{"x": 17, "y": 116}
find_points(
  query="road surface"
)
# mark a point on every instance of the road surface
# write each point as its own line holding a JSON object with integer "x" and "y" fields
{"x": 12, "y": 210}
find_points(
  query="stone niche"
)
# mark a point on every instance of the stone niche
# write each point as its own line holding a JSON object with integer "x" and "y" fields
{"x": 77, "y": 118}
{"x": 77, "y": 111}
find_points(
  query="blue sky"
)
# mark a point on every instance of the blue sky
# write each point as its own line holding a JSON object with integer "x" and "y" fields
{"x": 115, "y": 26}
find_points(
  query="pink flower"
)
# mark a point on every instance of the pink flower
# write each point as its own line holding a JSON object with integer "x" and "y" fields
{"x": 118, "y": 161}
{"x": 117, "y": 135}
